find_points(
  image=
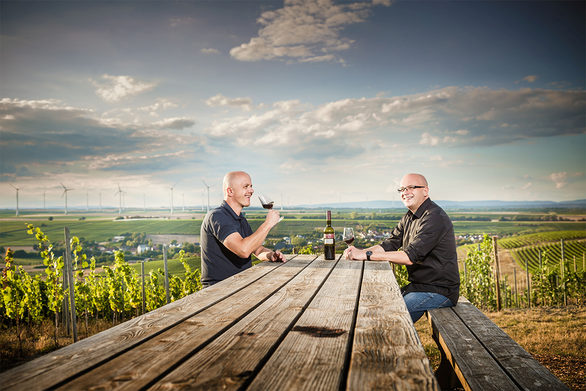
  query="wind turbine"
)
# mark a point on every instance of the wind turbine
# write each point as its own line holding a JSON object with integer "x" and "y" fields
{"x": 172, "y": 199}
{"x": 119, "y": 192}
{"x": 208, "y": 188}
{"x": 65, "y": 190}
{"x": 17, "y": 190}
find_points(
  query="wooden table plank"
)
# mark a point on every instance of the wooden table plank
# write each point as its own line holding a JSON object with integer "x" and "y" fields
{"x": 230, "y": 360}
{"x": 482, "y": 371}
{"x": 387, "y": 353}
{"x": 312, "y": 356}
{"x": 526, "y": 371}
{"x": 54, "y": 367}
{"x": 137, "y": 367}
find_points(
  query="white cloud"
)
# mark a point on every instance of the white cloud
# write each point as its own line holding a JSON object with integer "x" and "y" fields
{"x": 560, "y": 179}
{"x": 210, "y": 51}
{"x": 220, "y": 100}
{"x": 131, "y": 158}
{"x": 428, "y": 139}
{"x": 114, "y": 88}
{"x": 159, "y": 105}
{"x": 305, "y": 31}
{"x": 17, "y": 105}
{"x": 174, "y": 123}
{"x": 39, "y": 128}
{"x": 530, "y": 78}
{"x": 426, "y": 119}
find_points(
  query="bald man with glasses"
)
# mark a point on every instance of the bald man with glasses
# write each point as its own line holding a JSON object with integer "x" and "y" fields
{"x": 424, "y": 242}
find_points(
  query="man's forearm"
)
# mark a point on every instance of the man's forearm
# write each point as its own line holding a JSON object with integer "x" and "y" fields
{"x": 262, "y": 253}
{"x": 251, "y": 244}
{"x": 398, "y": 257}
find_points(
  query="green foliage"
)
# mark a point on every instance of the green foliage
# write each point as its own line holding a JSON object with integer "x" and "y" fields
{"x": 477, "y": 278}
{"x": 308, "y": 249}
{"x": 551, "y": 281}
{"x": 13, "y": 290}
{"x": 401, "y": 275}
{"x": 117, "y": 293}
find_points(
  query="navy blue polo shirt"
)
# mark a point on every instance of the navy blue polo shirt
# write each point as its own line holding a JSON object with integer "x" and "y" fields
{"x": 217, "y": 262}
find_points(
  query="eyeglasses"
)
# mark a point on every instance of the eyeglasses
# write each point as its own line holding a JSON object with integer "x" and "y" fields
{"x": 410, "y": 187}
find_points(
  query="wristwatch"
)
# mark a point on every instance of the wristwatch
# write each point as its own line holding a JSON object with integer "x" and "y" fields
{"x": 368, "y": 254}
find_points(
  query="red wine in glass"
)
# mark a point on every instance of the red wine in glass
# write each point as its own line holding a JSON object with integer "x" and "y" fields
{"x": 266, "y": 202}
{"x": 348, "y": 236}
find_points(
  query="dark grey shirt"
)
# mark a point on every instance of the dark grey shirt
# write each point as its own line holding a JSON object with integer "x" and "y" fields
{"x": 427, "y": 236}
{"x": 217, "y": 262}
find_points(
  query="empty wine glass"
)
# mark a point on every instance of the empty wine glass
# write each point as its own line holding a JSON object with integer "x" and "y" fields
{"x": 348, "y": 236}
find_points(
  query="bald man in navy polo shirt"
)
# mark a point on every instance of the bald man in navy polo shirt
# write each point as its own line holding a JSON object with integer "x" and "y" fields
{"x": 227, "y": 240}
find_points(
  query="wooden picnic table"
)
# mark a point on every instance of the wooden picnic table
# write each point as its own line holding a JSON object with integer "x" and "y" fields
{"x": 307, "y": 324}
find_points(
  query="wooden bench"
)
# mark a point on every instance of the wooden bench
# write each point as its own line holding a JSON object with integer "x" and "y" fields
{"x": 477, "y": 355}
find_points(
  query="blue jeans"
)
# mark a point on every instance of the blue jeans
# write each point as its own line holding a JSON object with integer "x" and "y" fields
{"x": 419, "y": 302}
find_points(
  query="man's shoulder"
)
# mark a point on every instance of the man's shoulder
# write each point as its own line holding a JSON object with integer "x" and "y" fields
{"x": 218, "y": 213}
{"x": 435, "y": 209}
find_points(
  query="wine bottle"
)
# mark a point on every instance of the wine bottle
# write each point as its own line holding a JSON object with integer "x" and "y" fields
{"x": 329, "y": 240}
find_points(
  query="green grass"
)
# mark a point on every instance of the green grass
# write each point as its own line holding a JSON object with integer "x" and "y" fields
{"x": 574, "y": 250}
{"x": 532, "y": 239}
{"x": 173, "y": 266}
{"x": 13, "y": 232}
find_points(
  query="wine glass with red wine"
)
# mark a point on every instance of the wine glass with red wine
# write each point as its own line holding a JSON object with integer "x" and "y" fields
{"x": 267, "y": 202}
{"x": 348, "y": 236}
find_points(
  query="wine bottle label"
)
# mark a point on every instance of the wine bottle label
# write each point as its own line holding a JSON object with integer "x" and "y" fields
{"x": 328, "y": 238}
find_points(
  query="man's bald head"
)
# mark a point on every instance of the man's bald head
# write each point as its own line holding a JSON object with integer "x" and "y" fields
{"x": 414, "y": 179}
{"x": 232, "y": 178}
{"x": 414, "y": 191}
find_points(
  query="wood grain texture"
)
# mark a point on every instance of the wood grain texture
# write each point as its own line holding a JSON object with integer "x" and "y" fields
{"x": 387, "y": 353}
{"x": 275, "y": 326}
{"x": 475, "y": 368}
{"x": 233, "y": 358}
{"x": 515, "y": 360}
{"x": 54, "y": 367}
{"x": 312, "y": 355}
{"x": 136, "y": 368}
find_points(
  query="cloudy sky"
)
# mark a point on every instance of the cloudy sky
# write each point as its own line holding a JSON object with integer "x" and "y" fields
{"x": 318, "y": 100}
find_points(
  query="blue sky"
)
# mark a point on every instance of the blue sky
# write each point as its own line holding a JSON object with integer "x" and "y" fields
{"x": 318, "y": 100}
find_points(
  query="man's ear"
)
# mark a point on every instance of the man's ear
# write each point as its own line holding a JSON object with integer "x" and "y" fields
{"x": 229, "y": 191}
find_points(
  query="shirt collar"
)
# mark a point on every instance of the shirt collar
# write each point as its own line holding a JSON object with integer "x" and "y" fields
{"x": 422, "y": 208}
{"x": 231, "y": 211}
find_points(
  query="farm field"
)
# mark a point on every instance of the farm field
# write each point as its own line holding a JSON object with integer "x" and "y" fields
{"x": 13, "y": 229}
